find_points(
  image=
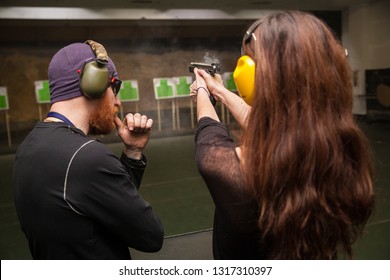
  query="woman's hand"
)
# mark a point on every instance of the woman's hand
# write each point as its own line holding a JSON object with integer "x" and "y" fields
{"x": 213, "y": 83}
{"x": 201, "y": 95}
{"x": 235, "y": 104}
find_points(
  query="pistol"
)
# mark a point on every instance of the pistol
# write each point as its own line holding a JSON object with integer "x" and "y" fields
{"x": 210, "y": 68}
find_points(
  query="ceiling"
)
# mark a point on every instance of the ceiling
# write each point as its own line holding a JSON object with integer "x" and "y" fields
{"x": 188, "y": 4}
{"x": 160, "y": 9}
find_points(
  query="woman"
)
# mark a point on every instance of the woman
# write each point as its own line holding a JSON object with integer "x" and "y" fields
{"x": 300, "y": 184}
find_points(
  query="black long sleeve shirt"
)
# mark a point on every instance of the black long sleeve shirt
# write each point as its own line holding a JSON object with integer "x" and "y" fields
{"x": 76, "y": 200}
{"x": 235, "y": 234}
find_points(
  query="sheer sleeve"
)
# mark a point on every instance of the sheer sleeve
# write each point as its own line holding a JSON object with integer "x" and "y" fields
{"x": 219, "y": 166}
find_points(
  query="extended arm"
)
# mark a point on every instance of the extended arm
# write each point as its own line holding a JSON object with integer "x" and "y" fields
{"x": 235, "y": 104}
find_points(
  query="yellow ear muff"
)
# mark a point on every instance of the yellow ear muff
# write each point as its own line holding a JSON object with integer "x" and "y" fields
{"x": 244, "y": 77}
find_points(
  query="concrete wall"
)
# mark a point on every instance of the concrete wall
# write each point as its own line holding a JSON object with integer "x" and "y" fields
{"x": 141, "y": 51}
{"x": 366, "y": 35}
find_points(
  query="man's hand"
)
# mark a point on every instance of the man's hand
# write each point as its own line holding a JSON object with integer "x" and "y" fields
{"x": 135, "y": 133}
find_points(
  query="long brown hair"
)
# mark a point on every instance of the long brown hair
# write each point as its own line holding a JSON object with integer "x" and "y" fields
{"x": 306, "y": 160}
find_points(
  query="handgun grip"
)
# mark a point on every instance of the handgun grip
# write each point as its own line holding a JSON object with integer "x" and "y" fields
{"x": 212, "y": 100}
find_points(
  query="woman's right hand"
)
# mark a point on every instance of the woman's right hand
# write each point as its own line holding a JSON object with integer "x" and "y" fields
{"x": 235, "y": 104}
{"x": 213, "y": 83}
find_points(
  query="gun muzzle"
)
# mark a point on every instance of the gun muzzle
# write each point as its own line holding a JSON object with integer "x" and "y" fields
{"x": 210, "y": 68}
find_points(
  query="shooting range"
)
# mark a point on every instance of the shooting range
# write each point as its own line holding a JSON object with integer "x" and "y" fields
{"x": 152, "y": 45}
{"x": 4, "y": 108}
{"x": 129, "y": 94}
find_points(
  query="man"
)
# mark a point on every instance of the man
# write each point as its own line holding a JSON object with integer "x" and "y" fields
{"x": 74, "y": 198}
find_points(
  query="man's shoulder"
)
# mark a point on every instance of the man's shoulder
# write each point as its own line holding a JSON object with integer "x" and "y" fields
{"x": 94, "y": 149}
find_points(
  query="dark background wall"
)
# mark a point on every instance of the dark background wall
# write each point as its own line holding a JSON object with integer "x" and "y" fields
{"x": 141, "y": 50}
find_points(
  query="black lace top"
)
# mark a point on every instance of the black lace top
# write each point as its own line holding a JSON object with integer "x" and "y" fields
{"x": 235, "y": 235}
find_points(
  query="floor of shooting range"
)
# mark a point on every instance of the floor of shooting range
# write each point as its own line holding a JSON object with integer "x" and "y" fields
{"x": 178, "y": 194}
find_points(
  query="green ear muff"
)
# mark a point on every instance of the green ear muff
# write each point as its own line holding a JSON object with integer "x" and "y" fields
{"x": 244, "y": 77}
{"x": 94, "y": 79}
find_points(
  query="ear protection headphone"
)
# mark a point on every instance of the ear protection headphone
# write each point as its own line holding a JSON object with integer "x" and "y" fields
{"x": 244, "y": 74}
{"x": 94, "y": 78}
{"x": 244, "y": 77}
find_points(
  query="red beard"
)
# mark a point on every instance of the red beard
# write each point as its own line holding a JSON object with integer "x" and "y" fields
{"x": 102, "y": 119}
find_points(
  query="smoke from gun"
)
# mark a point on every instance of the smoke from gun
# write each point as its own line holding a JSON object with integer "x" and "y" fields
{"x": 209, "y": 64}
{"x": 209, "y": 59}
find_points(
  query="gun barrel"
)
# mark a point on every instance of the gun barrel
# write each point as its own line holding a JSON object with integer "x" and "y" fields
{"x": 211, "y": 68}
